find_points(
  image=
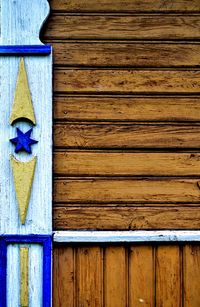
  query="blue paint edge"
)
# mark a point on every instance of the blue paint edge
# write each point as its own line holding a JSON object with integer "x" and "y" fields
{"x": 26, "y": 50}
{"x": 46, "y": 242}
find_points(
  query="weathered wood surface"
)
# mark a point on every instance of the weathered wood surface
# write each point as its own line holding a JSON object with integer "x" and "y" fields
{"x": 119, "y": 135}
{"x": 124, "y": 218}
{"x": 191, "y": 270}
{"x": 89, "y": 270}
{"x": 131, "y": 6}
{"x": 141, "y": 278}
{"x": 108, "y": 54}
{"x": 107, "y": 163}
{"x": 168, "y": 276}
{"x": 130, "y": 274}
{"x": 157, "y": 27}
{"x": 115, "y": 277}
{"x": 93, "y": 108}
{"x": 64, "y": 276}
{"x": 126, "y": 190}
{"x": 127, "y": 81}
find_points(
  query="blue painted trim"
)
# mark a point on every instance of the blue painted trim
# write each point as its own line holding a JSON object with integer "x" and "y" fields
{"x": 26, "y": 50}
{"x": 46, "y": 242}
{"x": 3, "y": 271}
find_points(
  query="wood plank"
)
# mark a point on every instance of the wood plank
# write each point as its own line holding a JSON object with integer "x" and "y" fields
{"x": 125, "y": 6}
{"x": 157, "y": 27}
{"x": 126, "y": 108}
{"x": 63, "y": 276}
{"x": 124, "y": 218}
{"x": 126, "y": 54}
{"x": 168, "y": 276}
{"x": 115, "y": 277}
{"x": 126, "y": 81}
{"x": 89, "y": 265}
{"x": 132, "y": 136}
{"x": 191, "y": 265}
{"x": 141, "y": 276}
{"x": 97, "y": 190}
{"x": 96, "y": 163}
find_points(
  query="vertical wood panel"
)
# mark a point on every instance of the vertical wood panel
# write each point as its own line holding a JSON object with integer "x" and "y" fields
{"x": 191, "y": 266}
{"x": 168, "y": 276}
{"x": 63, "y": 278}
{"x": 89, "y": 267}
{"x": 115, "y": 277}
{"x": 141, "y": 276}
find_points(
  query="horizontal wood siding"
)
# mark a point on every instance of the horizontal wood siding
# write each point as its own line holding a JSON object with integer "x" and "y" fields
{"x": 80, "y": 6}
{"x": 127, "y": 275}
{"x": 156, "y": 27}
{"x": 126, "y": 115}
{"x": 120, "y": 54}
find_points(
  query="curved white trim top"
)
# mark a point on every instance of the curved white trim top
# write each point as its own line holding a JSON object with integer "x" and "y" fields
{"x": 22, "y": 20}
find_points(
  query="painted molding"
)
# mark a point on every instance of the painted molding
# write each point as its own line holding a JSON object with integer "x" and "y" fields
{"x": 46, "y": 242}
{"x": 25, "y": 50}
{"x": 26, "y": 201}
{"x": 126, "y": 236}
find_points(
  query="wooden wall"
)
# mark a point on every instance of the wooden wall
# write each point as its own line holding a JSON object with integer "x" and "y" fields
{"x": 126, "y": 113}
{"x": 126, "y": 147}
{"x": 132, "y": 275}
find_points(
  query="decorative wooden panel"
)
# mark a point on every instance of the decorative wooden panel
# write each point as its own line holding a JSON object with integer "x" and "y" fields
{"x": 127, "y": 275}
{"x": 26, "y": 156}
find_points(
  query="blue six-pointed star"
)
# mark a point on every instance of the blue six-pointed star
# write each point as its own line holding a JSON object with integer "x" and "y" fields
{"x": 23, "y": 141}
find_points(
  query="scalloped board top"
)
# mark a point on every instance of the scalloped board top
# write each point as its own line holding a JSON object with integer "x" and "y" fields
{"x": 22, "y": 21}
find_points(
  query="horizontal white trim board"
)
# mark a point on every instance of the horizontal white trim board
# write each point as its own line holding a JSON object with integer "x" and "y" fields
{"x": 126, "y": 236}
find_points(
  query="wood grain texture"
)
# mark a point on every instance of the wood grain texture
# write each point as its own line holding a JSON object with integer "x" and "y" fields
{"x": 126, "y": 190}
{"x": 130, "y": 271}
{"x": 141, "y": 276}
{"x": 132, "y": 136}
{"x": 168, "y": 276}
{"x": 89, "y": 266}
{"x": 101, "y": 54}
{"x": 157, "y": 27}
{"x": 93, "y": 108}
{"x": 124, "y": 218}
{"x": 63, "y": 277}
{"x": 125, "y": 6}
{"x": 115, "y": 277}
{"x": 191, "y": 266}
{"x": 109, "y": 163}
{"x": 126, "y": 81}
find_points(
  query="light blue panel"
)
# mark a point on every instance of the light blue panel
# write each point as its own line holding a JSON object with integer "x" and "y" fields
{"x": 21, "y": 21}
{"x": 39, "y": 217}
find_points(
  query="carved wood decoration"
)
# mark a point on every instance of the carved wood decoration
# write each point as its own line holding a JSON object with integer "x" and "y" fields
{"x": 26, "y": 155}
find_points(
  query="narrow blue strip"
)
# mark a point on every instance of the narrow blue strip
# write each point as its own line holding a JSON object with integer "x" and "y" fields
{"x": 3, "y": 273}
{"x": 26, "y": 50}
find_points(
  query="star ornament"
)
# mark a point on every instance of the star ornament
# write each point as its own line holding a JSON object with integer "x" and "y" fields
{"x": 23, "y": 141}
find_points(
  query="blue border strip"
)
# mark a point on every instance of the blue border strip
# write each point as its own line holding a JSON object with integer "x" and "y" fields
{"x": 25, "y": 50}
{"x": 46, "y": 242}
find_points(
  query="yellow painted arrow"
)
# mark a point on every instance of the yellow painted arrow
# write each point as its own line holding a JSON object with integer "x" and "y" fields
{"x": 22, "y": 106}
{"x": 23, "y": 173}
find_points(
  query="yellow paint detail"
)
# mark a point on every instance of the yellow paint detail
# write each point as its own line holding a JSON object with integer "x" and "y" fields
{"x": 22, "y": 106}
{"x": 24, "y": 268}
{"x": 23, "y": 173}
